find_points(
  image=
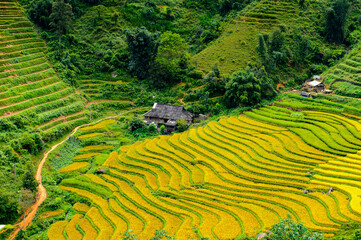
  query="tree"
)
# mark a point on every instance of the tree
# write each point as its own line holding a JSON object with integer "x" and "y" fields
{"x": 262, "y": 48}
{"x": 6, "y": 125}
{"x": 33, "y": 143}
{"x": 143, "y": 47}
{"x": 39, "y": 12}
{"x": 136, "y": 123}
{"x": 8, "y": 201}
{"x": 61, "y": 17}
{"x": 162, "y": 129}
{"x": 172, "y": 47}
{"x": 20, "y": 121}
{"x": 152, "y": 128}
{"x": 182, "y": 125}
{"x": 242, "y": 89}
{"x": 336, "y": 19}
{"x": 268, "y": 90}
{"x": 277, "y": 41}
{"x": 172, "y": 57}
{"x": 357, "y": 235}
{"x": 273, "y": 50}
{"x": 214, "y": 83}
{"x": 28, "y": 180}
{"x": 25, "y": 201}
{"x": 8, "y": 156}
{"x": 228, "y": 5}
{"x": 301, "y": 3}
{"x": 150, "y": 11}
{"x": 302, "y": 48}
{"x": 28, "y": 143}
{"x": 287, "y": 229}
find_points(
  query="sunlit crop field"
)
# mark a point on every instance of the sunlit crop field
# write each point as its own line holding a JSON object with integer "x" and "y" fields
{"x": 236, "y": 176}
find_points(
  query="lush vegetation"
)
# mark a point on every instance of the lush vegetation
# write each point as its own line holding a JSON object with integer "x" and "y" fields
{"x": 246, "y": 171}
{"x": 81, "y": 60}
{"x": 36, "y": 108}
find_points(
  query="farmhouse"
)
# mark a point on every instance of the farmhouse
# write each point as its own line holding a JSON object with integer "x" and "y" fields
{"x": 316, "y": 85}
{"x": 168, "y": 115}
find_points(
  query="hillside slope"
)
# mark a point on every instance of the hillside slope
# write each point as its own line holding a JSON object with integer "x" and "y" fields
{"x": 237, "y": 44}
{"x": 231, "y": 177}
{"x": 29, "y": 87}
{"x": 345, "y": 77}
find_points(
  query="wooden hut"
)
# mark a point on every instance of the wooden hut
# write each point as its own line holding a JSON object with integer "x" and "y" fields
{"x": 316, "y": 85}
{"x": 168, "y": 115}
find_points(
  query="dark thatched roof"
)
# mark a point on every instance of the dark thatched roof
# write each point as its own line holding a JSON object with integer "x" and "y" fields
{"x": 172, "y": 112}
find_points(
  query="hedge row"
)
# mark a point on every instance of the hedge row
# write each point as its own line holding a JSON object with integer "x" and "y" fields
{"x": 33, "y": 94}
{"x": 34, "y": 77}
{"x": 17, "y": 66}
{"x": 22, "y": 47}
{"x": 24, "y": 52}
{"x": 13, "y": 91}
{"x": 77, "y": 115}
{"x": 36, "y": 101}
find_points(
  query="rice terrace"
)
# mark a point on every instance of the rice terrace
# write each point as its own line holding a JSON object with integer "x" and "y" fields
{"x": 236, "y": 176}
{"x": 187, "y": 119}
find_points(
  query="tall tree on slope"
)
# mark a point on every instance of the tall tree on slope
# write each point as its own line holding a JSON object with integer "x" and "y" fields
{"x": 143, "y": 47}
{"x": 336, "y": 19}
{"x": 61, "y": 17}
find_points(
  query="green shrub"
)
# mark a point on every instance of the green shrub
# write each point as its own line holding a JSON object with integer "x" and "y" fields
{"x": 182, "y": 125}
{"x": 287, "y": 229}
{"x": 136, "y": 123}
{"x": 152, "y": 127}
{"x": 162, "y": 129}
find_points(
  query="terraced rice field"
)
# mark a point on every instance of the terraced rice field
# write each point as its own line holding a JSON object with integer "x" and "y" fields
{"x": 235, "y": 176}
{"x": 28, "y": 83}
{"x": 237, "y": 44}
{"x": 91, "y": 87}
{"x": 349, "y": 68}
{"x": 102, "y": 143}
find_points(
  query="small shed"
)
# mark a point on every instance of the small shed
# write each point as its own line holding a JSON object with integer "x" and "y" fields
{"x": 101, "y": 171}
{"x": 317, "y": 85}
{"x": 168, "y": 115}
{"x": 305, "y": 94}
{"x": 316, "y": 77}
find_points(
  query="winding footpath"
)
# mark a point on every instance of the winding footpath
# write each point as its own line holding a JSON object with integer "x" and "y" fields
{"x": 41, "y": 194}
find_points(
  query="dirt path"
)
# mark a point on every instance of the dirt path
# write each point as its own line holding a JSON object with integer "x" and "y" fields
{"x": 41, "y": 194}
{"x": 280, "y": 85}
